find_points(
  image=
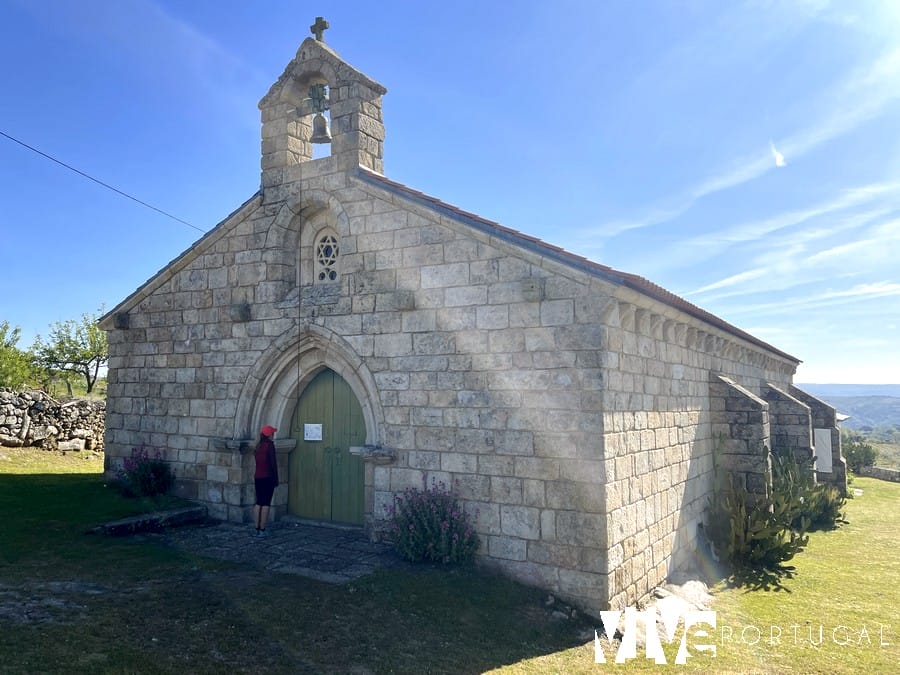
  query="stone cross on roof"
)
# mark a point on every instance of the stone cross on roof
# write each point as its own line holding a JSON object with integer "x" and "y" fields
{"x": 318, "y": 28}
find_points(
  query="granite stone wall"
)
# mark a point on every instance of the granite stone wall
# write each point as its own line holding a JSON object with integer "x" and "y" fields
{"x": 575, "y": 421}
{"x": 791, "y": 421}
{"x": 33, "y": 418}
{"x": 881, "y": 473}
{"x": 664, "y": 410}
{"x": 824, "y": 417}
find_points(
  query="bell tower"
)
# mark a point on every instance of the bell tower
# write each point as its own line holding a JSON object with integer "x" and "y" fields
{"x": 293, "y": 113}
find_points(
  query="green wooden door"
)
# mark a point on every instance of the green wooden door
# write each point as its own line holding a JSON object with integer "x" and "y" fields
{"x": 326, "y": 481}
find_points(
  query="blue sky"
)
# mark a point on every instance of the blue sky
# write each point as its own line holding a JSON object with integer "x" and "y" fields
{"x": 744, "y": 155}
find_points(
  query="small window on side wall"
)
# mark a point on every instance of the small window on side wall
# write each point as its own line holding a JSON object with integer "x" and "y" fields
{"x": 326, "y": 252}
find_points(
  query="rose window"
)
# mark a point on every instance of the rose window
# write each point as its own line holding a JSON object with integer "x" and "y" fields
{"x": 326, "y": 258}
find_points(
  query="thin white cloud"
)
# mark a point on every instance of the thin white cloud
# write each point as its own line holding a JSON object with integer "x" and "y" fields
{"x": 847, "y": 199}
{"x": 873, "y": 290}
{"x": 217, "y": 70}
{"x": 858, "y": 99}
{"x": 166, "y": 51}
{"x": 707, "y": 246}
{"x": 739, "y": 278}
{"x": 884, "y": 243}
{"x": 789, "y": 260}
{"x": 859, "y": 293}
{"x": 775, "y": 281}
{"x": 777, "y": 156}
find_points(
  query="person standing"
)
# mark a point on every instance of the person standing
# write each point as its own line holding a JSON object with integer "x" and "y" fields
{"x": 265, "y": 478}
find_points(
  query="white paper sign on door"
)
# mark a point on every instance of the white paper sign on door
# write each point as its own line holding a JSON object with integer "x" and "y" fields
{"x": 312, "y": 432}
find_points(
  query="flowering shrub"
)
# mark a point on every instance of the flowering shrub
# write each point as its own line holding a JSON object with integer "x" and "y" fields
{"x": 144, "y": 476}
{"x": 429, "y": 524}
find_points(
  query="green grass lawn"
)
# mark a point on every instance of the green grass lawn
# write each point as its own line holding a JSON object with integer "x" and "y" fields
{"x": 71, "y": 602}
{"x": 845, "y": 587}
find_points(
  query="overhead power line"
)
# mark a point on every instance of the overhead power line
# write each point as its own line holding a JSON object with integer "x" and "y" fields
{"x": 100, "y": 182}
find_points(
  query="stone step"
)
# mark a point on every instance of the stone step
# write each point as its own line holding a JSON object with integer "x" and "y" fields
{"x": 153, "y": 522}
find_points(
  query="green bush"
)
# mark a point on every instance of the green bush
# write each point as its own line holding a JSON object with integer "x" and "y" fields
{"x": 821, "y": 505}
{"x": 858, "y": 453}
{"x": 143, "y": 475}
{"x": 429, "y": 524}
{"x": 752, "y": 532}
{"x": 827, "y": 507}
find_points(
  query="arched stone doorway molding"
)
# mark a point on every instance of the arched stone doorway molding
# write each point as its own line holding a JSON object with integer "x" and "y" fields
{"x": 282, "y": 373}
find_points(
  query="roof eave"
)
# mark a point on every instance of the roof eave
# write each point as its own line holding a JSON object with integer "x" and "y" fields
{"x": 625, "y": 279}
{"x": 179, "y": 262}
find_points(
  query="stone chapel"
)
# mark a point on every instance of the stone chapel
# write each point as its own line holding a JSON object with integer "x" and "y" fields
{"x": 393, "y": 338}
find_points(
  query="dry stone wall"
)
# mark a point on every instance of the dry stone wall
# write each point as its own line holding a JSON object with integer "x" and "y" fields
{"x": 33, "y": 418}
{"x": 881, "y": 473}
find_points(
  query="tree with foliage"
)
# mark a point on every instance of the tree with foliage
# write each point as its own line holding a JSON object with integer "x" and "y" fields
{"x": 857, "y": 451}
{"x": 75, "y": 346}
{"x": 15, "y": 365}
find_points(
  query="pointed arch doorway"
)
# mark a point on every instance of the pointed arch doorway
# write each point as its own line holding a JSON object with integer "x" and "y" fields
{"x": 326, "y": 481}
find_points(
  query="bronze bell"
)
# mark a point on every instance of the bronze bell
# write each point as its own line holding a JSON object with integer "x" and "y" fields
{"x": 320, "y": 132}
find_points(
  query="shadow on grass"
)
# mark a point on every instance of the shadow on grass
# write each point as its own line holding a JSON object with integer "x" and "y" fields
{"x": 763, "y": 579}
{"x": 714, "y": 571}
{"x": 461, "y": 620}
{"x": 44, "y": 517}
{"x": 770, "y": 579}
{"x": 200, "y": 615}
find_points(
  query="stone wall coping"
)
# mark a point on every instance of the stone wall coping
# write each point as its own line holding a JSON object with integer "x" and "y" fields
{"x": 746, "y": 393}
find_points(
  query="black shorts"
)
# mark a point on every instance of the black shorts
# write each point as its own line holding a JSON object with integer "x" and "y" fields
{"x": 265, "y": 488}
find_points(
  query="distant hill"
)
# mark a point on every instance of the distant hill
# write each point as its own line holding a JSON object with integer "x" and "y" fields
{"x": 825, "y": 390}
{"x": 868, "y": 405}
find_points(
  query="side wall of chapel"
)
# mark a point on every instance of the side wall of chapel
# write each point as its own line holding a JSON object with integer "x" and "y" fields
{"x": 661, "y": 421}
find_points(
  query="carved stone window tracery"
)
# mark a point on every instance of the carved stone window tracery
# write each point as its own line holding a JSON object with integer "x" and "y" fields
{"x": 326, "y": 257}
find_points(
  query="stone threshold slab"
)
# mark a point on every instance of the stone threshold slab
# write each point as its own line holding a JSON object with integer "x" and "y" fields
{"x": 153, "y": 522}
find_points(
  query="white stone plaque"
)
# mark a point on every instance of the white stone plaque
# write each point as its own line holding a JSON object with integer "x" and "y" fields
{"x": 822, "y": 439}
{"x": 312, "y": 432}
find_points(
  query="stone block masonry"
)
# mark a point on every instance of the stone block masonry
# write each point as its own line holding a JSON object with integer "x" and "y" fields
{"x": 576, "y": 423}
{"x": 33, "y": 418}
{"x": 791, "y": 421}
{"x": 881, "y": 473}
{"x": 824, "y": 419}
{"x": 664, "y": 414}
{"x": 741, "y": 421}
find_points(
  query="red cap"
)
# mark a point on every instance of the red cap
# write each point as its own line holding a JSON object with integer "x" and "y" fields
{"x": 268, "y": 431}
